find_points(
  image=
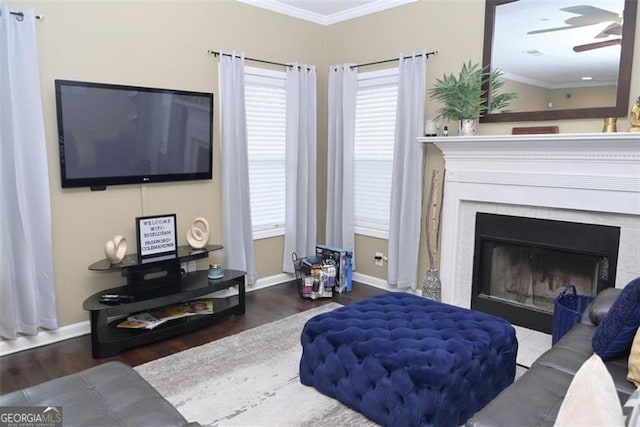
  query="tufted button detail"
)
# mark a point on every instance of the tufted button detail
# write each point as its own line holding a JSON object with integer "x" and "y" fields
{"x": 403, "y": 360}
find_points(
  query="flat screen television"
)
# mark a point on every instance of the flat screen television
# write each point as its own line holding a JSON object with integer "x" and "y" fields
{"x": 112, "y": 134}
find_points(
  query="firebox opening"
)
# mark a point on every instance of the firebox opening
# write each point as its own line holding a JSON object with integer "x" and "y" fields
{"x": 522, "y": 264}
{"x": 534, "y": 276}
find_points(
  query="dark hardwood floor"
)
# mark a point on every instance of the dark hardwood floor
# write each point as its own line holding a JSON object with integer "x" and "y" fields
{"x": 31, "y": 367}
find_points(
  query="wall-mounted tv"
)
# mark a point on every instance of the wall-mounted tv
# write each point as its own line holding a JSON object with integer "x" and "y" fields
{"x": 112, "y": 134}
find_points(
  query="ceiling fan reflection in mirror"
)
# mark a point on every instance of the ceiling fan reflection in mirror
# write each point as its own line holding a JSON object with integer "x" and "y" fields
{"x": 587, "y": 16}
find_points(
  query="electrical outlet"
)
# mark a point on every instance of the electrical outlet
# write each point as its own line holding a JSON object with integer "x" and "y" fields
{"x": 191, "y": 266}
{"x": 183, "y": 267}
{"x": 379, "y": 256}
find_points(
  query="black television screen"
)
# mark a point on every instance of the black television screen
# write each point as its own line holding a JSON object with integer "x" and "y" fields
{"x": 113, "y": 134}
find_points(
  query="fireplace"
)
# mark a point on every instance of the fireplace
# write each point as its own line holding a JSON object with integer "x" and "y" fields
{"x": 521, "y": 264}
{"x": 587, "y": 178}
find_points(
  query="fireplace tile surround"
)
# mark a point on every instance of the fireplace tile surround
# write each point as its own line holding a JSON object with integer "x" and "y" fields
{"x": 584, "y": 178}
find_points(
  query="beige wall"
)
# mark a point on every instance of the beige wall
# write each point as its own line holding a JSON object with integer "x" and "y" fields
{"x": 156, "y": 44}
{"x": 164, "y": 44}
{"x": 456, "y": 30}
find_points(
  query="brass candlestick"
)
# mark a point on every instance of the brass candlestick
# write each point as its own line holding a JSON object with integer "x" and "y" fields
{"x": 634, "y": 117}
{"x": 610, "y": 124}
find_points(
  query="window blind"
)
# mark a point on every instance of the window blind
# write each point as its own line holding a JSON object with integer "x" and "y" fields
{"x": 265, "y": 97}
{"x": 376, "y": 102}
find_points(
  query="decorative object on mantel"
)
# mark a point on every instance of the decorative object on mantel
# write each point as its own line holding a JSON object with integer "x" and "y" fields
{"x": 431, "y": 128}
{"x": 431, "y": 287}
{"x": 464, "y": 98}
{"x": 634, "y": 117}
{"x": 198, "y": 233}
{"x": 610, "y": 124}
{"x": 467, "y": 127}
{"x": 534, "y": 130}
{"x": 115, "y": 249}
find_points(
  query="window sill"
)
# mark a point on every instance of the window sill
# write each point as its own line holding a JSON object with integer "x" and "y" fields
{"x": 267, "y": 234}
{"x": 372, "y": 232}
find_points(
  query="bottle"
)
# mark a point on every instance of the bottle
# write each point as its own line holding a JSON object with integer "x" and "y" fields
{"x": 445, "y": 132}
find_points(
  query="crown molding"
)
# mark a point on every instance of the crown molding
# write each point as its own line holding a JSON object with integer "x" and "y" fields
{"x": 355, "y": 12}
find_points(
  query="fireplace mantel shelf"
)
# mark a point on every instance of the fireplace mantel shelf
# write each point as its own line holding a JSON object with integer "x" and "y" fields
{"x": 596, "y": 136}
{"x": 591, "y": 161}
{"x": 571, "y": 144}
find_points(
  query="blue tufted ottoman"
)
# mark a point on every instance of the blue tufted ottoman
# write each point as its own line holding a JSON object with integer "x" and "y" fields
{"x": 402, "y": 360}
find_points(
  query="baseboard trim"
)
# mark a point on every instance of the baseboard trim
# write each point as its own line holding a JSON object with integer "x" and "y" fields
{"x": 274, "y": 280}
{"x": 376, "y": 282}
{"x": 44, "y": 338}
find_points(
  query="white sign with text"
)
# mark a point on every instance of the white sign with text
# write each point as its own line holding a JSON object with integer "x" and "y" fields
{"x": 157, "y": 235}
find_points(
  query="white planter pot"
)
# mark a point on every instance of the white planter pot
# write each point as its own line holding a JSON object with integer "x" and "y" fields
{"x": 467, "y": 127}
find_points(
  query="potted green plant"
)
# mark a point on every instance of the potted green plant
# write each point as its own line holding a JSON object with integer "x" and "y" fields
{"x": 464, "y": 98}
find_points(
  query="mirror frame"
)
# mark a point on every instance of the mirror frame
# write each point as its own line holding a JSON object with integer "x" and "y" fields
{"x": 621, "y": 108}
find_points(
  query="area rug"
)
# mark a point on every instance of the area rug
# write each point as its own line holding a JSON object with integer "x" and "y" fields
{"x": 250, "y": 379}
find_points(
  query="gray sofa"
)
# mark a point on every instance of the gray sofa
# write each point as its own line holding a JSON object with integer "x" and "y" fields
{"x": 535, "y": 398}
{"x": 111, "y": 394}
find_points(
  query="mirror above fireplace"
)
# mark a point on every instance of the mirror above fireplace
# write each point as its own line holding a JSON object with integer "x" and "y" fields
{"x": 567, "y": 59}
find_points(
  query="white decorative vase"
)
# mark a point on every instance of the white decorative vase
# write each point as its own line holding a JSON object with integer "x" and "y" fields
{"x": 467, "y": 127}
{"x": 198, "y": 233}
{"x": 115, "y": 249}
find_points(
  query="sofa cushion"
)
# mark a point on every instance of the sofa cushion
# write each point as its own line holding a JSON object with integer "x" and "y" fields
{"x": 571, "y": 351}
{"x": 615, "y": 333}
{"x": 533, "y": 400}
{"x": 591, "y": 398}
{"x": 105, "y": 395}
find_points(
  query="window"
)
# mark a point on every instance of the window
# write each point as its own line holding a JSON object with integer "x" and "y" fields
{"x": 265, "y": 97}
{"x": 376, "y": 102}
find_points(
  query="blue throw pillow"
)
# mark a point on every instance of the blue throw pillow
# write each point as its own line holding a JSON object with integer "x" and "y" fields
{"x": 615, "y": 333}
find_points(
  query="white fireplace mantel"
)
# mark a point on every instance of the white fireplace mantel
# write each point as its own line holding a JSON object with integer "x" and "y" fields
{"x": 585, "y": 173}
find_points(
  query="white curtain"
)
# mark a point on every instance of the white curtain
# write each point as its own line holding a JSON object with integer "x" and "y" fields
{"x": 300, "y": 211}
{"x": 234, "y": 165}
{"x": 406, "y": 181}
{"x": 343, "y": 85}
{"x": 27, "y": 287}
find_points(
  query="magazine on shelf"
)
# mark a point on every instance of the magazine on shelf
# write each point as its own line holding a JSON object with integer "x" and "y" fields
{"x": 158, "y": 316}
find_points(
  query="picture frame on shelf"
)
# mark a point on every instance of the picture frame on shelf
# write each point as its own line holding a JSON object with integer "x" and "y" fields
{"x": 156, "y": 236}
{"x": 534, "y": 130}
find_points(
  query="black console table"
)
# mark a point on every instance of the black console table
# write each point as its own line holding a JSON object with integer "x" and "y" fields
{"x": 167, "y": 285}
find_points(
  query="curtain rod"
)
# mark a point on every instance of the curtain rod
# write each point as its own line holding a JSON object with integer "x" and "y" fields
{"x": 214, "y": 53}
{"x": 384, "y": 61}
{"x": 20, "y": 15}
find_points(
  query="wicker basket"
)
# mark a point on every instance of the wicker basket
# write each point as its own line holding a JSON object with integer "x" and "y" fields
{"x": 567, "y": 311}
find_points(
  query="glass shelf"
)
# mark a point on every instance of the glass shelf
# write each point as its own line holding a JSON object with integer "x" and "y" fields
{"x": 185, "y": 253}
